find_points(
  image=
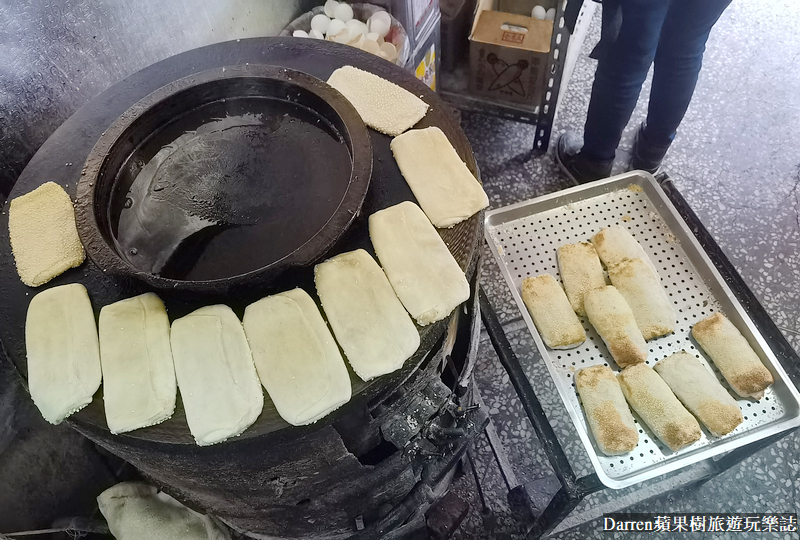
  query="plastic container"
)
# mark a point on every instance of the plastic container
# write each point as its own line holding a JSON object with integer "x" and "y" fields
{"x": 426, "y": 60}
{"x": 397, "y": 33}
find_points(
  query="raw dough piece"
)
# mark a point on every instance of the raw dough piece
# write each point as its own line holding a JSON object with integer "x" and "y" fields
{"x": 296, "y": 357}
{"x": 63, "y": 353}
{"x": 655, "y": 403}
{"x": 612, "y": 318}
{"x": 369, "y": 322}
{"x": 615, "y": 244}
{"x": 733, "y": 356}
{"x": 700, "y": 391}
{"x": 443, "y": 185}
{"x": 639, "y": 285}
{"x": 43, "y": 234}
{"x": 423, "y": 273}
{"x": 383, "y": 105}
{"x": 216, "y": 375}
{"x": 136, "y": 511}
{"x": 554, "y": 318}
{"x": 607, "y": 413}
{"x": 580, "y": 271}
{"x": 138, "y": 374}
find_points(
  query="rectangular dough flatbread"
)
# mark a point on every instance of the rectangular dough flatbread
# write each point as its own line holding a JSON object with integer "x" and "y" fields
{"x": 612, "y": 318}
{"x": 216, "y": 376}
{"x": 43, "y": 234}
{"x": 63, "y": 352}
{"x": 580, "y": 271}
{"x": 369, "y": 322}
{"x": 444, "y": 187}
{"x": 557, "y": 323}
{"x": 424, "y": 275}
{"x": 607, "y": 413}
{"x": 641, "y": 288}
{"x": 296, "y": 357}
{"x": 139, "y": 384}
{"x": 382, "y": 105}
{"x": 733, "y": 356}
{"x": 700, "y": 391}
{"x": 615, "y": 244}
{"x": 655, "y": 403}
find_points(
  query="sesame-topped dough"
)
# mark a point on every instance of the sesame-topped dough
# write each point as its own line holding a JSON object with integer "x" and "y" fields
{"x": 44, "y": 237}
{"x": 733, "y": 356}
{"x": 383, "y": 105}
{"x": 700, "y": 392}
{"x": 641, "y": 288}
{"x": 423, "y": 273}
{"x": 612, "y": 318}
{"x": 216, "y": 375}
{"x": 446, "y": 189}
{"x": 296, "y": 357}
{"x": 607, "y": 413}
{"x": 63, "y": 352}
{"x": 369, "y": 321}
{"x": 655, "y": 403}
{"x": 139, "y": 384}
{"x": 557, "y": 323}
{"x": 581, "y": 272}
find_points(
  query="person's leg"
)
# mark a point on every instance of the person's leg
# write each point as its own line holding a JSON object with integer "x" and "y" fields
{"x": 621, "y": 70}
{"x": 678, "y": 60}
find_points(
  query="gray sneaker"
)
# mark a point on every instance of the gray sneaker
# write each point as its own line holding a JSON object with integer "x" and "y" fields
{"x": 577, "y": 166}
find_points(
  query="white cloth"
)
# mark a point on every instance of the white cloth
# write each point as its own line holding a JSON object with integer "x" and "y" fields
{"x": 136, "y": 511}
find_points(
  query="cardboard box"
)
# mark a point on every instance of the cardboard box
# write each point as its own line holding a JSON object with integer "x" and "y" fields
{"x": 509, "y": 51}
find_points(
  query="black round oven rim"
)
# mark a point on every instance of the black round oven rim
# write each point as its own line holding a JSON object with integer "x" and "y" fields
{"x": 131, "y": 130}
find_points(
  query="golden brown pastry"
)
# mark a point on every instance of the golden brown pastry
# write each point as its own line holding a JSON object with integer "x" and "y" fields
{"x": 700, "y": 391}
{"x": 733, "y": 356}
{"x": 615, "y": 244}
{"x": 655, "y": 403}
{"x": 580, "y": 271}
{"x": 547, "y": 303}
{"x": 641, "y": 288}
{"x": 612, "y": 318}
{"x": 606, "y": 411}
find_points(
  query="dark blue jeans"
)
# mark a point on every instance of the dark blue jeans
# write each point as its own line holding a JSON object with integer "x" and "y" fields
{"x": 672, "y": 35}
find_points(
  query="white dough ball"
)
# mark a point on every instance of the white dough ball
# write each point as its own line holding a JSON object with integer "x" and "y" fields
{"x": 300, "y": 33}
{"x": 389, "y": 51}
{"x": 343, "y": 36}
{"x": 335, "y": 27}
{"x": 356, "y": 27}
{"x": 551, "y": 14}
{"x": 538, "y": 12}
{"x": 343, "y": 12}
{"x": 330, "y": 7}
{"x": 371, "y": 47}
{"x": 320, "y": 23}
{"x": 380, "y": 23}
{"x": 316, "y": 35}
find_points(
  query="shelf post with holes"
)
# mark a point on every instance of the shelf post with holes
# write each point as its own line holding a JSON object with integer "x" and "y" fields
{"x": 569, "y": 29}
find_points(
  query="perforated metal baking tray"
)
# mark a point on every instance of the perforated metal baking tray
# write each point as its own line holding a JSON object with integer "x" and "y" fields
{"x": 523, "y": 238}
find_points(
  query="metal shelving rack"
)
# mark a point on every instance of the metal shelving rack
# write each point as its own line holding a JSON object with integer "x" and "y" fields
{"x": 571, "y": 21}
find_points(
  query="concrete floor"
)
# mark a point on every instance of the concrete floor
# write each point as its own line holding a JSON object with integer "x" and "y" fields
{"x": 736, "y": 160}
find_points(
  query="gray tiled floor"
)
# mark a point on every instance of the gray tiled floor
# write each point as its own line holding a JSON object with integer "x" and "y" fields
{"x": 737, "y": 161}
